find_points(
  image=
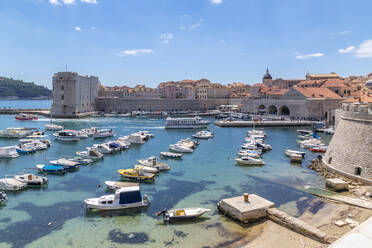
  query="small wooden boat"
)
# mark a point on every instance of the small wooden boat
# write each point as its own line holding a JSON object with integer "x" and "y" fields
{"x": 114, "y": 185}
{"x": 31, "y": 179}
{"x": 57, "y": 169}
{"x": 137, "y": 174}
{"x": 3, "y": 198}
{"x": 171, "y": 155}
{"x": 182, "y": 214}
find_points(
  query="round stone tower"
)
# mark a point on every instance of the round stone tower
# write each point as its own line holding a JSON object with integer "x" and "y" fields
{"x": 350, "y": 151}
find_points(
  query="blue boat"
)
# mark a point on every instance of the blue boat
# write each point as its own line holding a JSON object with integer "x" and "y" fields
{"x": 47, "y": 168}
{"x": 65, "y": 163}
{"x": 24, "y": 149}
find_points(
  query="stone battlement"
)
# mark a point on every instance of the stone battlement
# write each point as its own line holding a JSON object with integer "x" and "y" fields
{"x": 357, "y": 112}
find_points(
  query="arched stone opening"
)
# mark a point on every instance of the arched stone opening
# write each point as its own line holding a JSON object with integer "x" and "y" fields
{"x": 272, "y": 110}
{"x": 262, "y": 109}
{"x": 284, "y": 110}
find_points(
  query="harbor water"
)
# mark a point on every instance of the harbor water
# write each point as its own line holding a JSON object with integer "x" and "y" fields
{"x": 55, "y": 216}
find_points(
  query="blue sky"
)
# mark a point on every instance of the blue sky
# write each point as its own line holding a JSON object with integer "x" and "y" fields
{"x": 150, "y": 41}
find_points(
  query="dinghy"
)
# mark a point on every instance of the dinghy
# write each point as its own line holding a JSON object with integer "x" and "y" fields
{"x": 296, "y": 157}
{"x": 182, "y": 214}
{"x": 124, "y": 198}
{"x": 117, "y": 185}
{"x": 31, "y": 179}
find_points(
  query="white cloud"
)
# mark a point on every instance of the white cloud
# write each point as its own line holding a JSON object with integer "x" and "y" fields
{"x": 216, "y": 2}
{"x": 309, "y": 56}
{"x": 68, "y": 1}
{"x": 54, "y": 2}
{"x": 364, "y": 50}
{"x": 134, "y": 52}
{"x": 196, "y": 25}
{"x": 349, "y": 49}
{"x": 166, "y": 37}
{"x": 89, "y": 1}
{"x": 77, "y": 28}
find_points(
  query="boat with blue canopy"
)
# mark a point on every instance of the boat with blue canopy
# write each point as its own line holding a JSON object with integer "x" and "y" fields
{"x": 48, "y": 168}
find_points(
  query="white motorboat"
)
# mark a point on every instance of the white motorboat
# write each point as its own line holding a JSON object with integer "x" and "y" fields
{"x": 36, "y": 144}
{"x": 81, "y": 161}
{"x": 3, "y": 198}
{"x": 249, "y": 161}
{"x": 192, "y": 122}
{"x": 180, "y": 148}
{"x": 8, "y": 152}
{"x": 103, "y": 133}
{"x": 182, "y": 214}
{"x": 245, "y": 153}
{"x": 288, "y": 153}
{"x": 136, "y": 138}
{"x": 256, "y": 132}
{"x": 170, "y": 155}
{"x": 188, "y": 143}
{"x": 147, "y": 169}
{"x": 124, "y": 198}
{"x": 153, "y": 162}
{"x": 203, "y": 135}
{"x": 66, "y": 136}
{"x": 53, "y": 127}
{"x": 102, "y": 148}
{"x": 9, "y": 183}
{"x": 114, "y": 185}
{"x": 31, "y": 179}
{"x": 249, "y": 146}
{"x": 93, "y": 154}
{"x": 114, "y": 146}
{"x": 25, "y": 148}
{"x": 123, "y": 144}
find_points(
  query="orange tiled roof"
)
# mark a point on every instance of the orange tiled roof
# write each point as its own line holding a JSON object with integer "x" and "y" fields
{"x": 334, "y": 83}
{"x": 314, "y": 92}
{"x": 310, "y": 82}
{"x": 277, "y": 92}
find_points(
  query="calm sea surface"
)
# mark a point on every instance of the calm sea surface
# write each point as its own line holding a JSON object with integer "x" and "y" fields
{"x": 29, "y": 104}
{"x": 200, "y": 179}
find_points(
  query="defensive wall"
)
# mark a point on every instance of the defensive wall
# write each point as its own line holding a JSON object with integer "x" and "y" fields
{"x": 350, "y": 150}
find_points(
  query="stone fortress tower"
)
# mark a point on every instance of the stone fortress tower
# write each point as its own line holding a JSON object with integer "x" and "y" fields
{"x": 350, "y": 150}
{"x": 73, "y": 95}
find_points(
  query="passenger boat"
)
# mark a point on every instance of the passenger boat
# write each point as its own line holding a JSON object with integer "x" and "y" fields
{"x": 117, "y": 185}
{"x": 8, "y": 152}
{"x": 203, "y": 135}
{"x": 56, "y": 169}
{"x": 26, "y": 117}
{"x": 195, "y": 122}
{"x": 320, "y": 149}
{"x": 67, "y": 164}
{"x": 290, "y": 152}
{"x": 296, "y": 157}
{"x": 66, "y": 136}
{"x": 180, "y": 148}
{"x": 249, "y": 161}
{"x": 31, "y": 179}
{"x": 154, "y": 163}
{"x": 147, "y": 169}
{"x": 182, "y": 214}
{"x": 53, "y": 127}
{"x": 11, "y": 184}
{"x": 3, "y": 198}
{"x": 103, "y": 133}
{"x": 171, "y": 155}
{"x": 124, "y": 198}
{"x": 93, "y": 154}
{"x": 137, "y": 174}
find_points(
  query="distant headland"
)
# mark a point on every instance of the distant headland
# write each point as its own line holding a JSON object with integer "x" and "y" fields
{"x": 13, "y": 89}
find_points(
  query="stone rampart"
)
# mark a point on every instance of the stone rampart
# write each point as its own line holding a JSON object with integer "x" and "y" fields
{"x": 350, "y": 150}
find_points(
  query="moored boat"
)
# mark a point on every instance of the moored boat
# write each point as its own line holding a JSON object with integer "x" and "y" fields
{"x": 171, "y": 155}
{"x": 93, "y": 154}
{"x": 137, "y": 174}
{"x": 53, "y": 127}
{"x": 180, "y": 148}
{"x": 8, "y": 152}
{"x": 103, "y": 133}
{"x": 11, "y": 184}
{"x": 31, "y": 179}
{"x": 66, "y": 136}
{"x": 154, "y": 163}
{"x": 296, "y": 157}
{"x": 114, "y": 185}
{"x": 290, "y": 152}
{"x": 67, "y": 164}
{"x": 47, "y": 168}
{"x": 147, "y": 169}
{"x": 203, "y": 135}
{"x": 320, "y": 149}
{"x": 249, "y": 161}
{"x": 124, "y": 198}
{"x": 182, "y": 214}
{"x": 183, "y": 123}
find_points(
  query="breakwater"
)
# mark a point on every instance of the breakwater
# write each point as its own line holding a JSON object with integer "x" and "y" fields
{"x": 42, "y": 112}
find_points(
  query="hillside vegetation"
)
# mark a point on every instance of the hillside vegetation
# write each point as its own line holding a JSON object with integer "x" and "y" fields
{"x": 11, "y": 88}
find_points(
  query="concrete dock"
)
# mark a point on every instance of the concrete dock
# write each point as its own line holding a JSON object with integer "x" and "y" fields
{"x": 42, "y": 112}
{"x": 261, "y": 123}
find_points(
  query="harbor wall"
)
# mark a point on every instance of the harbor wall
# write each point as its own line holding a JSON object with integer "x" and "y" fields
{"x": 350, "y": 150}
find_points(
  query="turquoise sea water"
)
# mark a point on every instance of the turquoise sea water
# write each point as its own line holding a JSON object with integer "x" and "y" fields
{"x": 199, "y": 179}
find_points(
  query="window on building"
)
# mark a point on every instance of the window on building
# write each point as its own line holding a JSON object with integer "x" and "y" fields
{"x": 62, "y": 87}
{"x": 62, "y": 97}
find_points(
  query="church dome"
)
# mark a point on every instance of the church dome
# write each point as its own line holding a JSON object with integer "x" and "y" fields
{"x": 267, "y": 75}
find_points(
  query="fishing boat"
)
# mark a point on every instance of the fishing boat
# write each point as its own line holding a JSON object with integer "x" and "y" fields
{"x": 171, "y": 155}
{"x": 249, "y": 161}
{"x": 203, "y": 135}
{"x": 53, "y": 127}
{"x": 180, "y": 148}
{"x": 66, "y": 163}
{"x": 124, "y": 198}
{"x": 31, "y": 179}
{"x": 93, "y": 154}
{"x": 48, "y": 168}
{"x": 8, "y": 152}
{"x": 3, "y": 198}
{"x": 114, "y": 185}
{"x": 11, "y": 184}
{"x": 66, "y": 136}
{"x": 137, "y": 174}
{"x": 185, "y": 123}
{"x": 154, "y": 163}
{"x": 147, "y": 169}
{"x": 320, "y": 149}
{"x": 296, "y": 157}
{"x": 290, "y": 152}
{"x": 182, "y": 214}
{"x": 103, "y": 133}
{"x": 26, "y": 117}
